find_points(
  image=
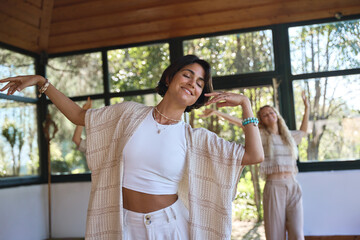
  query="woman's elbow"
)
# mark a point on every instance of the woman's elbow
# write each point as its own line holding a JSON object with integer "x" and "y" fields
{"x": 260, "y": 158}
{"x": 253, "y": 158}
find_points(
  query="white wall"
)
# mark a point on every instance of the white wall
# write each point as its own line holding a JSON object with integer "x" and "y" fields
{"x": 331, "y": 202}
{"x": 23, "y": 213}
{"x": 331, "y": 207}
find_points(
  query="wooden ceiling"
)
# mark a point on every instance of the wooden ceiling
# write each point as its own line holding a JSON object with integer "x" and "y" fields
{"x": 57, "y": 26}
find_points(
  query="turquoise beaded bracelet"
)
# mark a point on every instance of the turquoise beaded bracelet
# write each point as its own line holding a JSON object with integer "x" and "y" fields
{"x": 253, "y": 120}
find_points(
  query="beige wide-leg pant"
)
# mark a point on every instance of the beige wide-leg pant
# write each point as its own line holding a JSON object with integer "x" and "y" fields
{"x": 283, "y": 211}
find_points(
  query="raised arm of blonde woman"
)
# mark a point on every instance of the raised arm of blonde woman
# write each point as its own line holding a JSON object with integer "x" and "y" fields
{"x": 71, "y": 110}
{"x": 234, "y": 120}
{"x": 305, "y": 120}
{"x": 254, "y": 152}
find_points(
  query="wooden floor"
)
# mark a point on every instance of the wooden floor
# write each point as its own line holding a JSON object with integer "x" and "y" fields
{"x": 306, "y": 238}
{"x": 332, "y": 238}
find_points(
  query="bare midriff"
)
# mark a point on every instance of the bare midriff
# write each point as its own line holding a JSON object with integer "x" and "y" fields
{"x": 280, "y": 175}
{"x": 145, "y": 203}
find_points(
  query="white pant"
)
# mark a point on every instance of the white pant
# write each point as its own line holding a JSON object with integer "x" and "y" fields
{"x": 170, "y": 223}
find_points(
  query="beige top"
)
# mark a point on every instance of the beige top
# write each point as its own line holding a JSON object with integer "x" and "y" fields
{"x": 282, "y": 160}
{"x": 213, "y": 168}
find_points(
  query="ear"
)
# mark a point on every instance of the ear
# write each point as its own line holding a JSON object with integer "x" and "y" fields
{"x": 167, "y": 82}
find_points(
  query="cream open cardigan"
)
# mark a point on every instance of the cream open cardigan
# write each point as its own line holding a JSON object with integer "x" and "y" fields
{"x": 213, "y": 168}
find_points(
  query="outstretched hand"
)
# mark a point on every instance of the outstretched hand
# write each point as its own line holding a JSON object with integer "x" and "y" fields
{"x": 305, "y": 99}
{"x": 207, "y": 113}
{"x": 88, "y": 104}
{"x": 223, "y": 99}
{"x": 20, "y": 82}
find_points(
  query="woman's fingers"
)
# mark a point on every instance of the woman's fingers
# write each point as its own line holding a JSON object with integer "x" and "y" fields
{"x": 7, "y": 86}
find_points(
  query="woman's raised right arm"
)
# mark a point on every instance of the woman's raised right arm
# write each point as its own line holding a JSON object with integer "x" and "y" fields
{"x": 71, "y": 110}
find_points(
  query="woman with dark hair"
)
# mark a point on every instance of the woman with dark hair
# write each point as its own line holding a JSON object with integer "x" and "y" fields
{"x": 153, "y": 176}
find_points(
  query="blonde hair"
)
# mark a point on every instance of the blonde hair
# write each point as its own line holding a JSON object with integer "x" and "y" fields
{"x": 283, "y": 132}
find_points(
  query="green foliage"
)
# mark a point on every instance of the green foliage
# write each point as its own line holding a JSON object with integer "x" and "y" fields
{"x": 244, "y": 207}
{"x": 236, "y": 53}
{"x": 137, "y": 68}
{"x": 10, "y": 132}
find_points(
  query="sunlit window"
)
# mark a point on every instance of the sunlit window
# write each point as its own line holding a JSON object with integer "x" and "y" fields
{"x": 325, "y": 47}
{"x": 65, "y": 157}
{"x": 19, "y": 154}
{"x": 138, "y": 67}
{"x": 334, "y": 127}
{"x": 14, "y": 64}
{"x": 235, "y": 54}
{"x": 76, "y": 75}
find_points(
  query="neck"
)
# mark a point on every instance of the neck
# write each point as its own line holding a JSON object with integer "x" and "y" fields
{"x": 273, "y": 129}
{"x": 164, "y": 114}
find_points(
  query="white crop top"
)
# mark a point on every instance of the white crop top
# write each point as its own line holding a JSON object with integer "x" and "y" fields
{"x": 154, "y": 162}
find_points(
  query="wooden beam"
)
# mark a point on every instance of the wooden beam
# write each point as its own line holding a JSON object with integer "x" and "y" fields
{"x": 268, "y": 14}
{"x": 22, "y": 11}
{"x": 160, "y": 35}
{"x": 94, "y": 8}
{"x": 15, "y": 27}
{"x": 18, "y": 42}
{"x": 150, "y": 14}
{"x": 37, "y": 3}
{"x": 47, "y": 9}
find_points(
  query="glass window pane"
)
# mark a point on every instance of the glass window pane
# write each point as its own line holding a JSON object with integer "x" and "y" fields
{"x": 19, "y": 153}
{"x": 65, "y": 157}
{"x": 77, "y": 75}
{"x": 325, "y": 47}
{"x": 13, "y": 64}
{"x": 138, "y": 67}
{"x": 147, "y": 99}
{"x": 236, "y": 53}
{"x": 334, "y": 126}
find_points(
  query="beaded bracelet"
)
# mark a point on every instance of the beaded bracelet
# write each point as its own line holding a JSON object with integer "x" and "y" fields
{"x": 44, "y": 87}
{"x": 253, "y": 120}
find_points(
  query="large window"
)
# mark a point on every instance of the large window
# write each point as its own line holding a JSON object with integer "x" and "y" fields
{"x": 324, "y": 62}
{"x": 324, "y": 50}
{"x": 237, "y": 53}
{"x": 19, "y": 154}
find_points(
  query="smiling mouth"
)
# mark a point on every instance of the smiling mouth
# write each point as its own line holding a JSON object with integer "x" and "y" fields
{"x": 187, "y": 91}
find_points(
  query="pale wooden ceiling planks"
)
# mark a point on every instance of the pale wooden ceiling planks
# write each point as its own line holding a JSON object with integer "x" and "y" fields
{"x": 57, "y": 26}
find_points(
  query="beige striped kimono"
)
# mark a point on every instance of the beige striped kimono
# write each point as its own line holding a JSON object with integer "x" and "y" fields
{"x": 213, "y": 168}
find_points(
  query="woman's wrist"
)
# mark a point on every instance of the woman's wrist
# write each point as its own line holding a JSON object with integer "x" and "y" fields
{"x": 40, "y": 81}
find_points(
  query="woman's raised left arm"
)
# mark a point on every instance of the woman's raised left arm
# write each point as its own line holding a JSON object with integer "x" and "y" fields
{"x": 254, "y": 152}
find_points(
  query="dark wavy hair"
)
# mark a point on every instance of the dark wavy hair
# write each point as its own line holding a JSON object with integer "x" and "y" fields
{"x": 175, "y": 67}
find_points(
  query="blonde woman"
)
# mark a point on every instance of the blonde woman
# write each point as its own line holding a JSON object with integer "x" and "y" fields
{"x": 282, "y": 197}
